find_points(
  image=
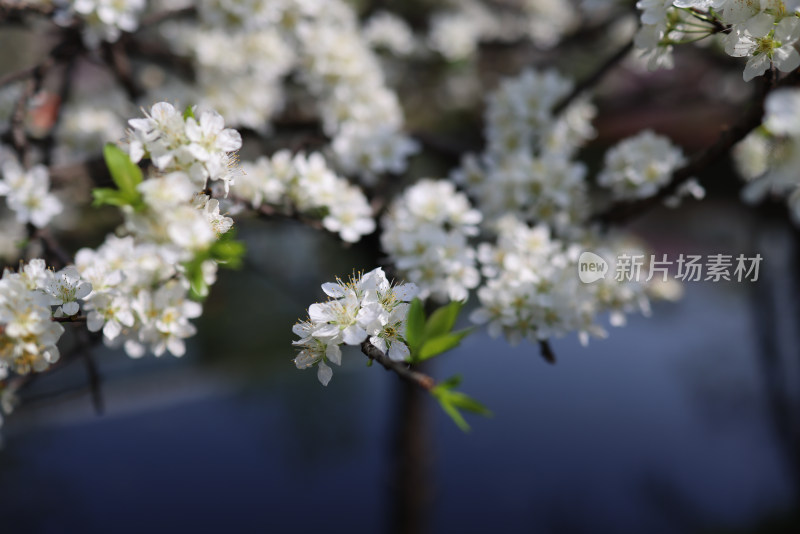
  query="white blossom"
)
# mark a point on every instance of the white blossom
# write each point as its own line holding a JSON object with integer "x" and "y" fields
{"x": 367, "y": 306}
{"x": 307, "y": 184}
{"x": 638, "y": 166}
{"x": 105, "y": 20}
{"x": 27, "y": 193}
{"x": 426, "y": 232}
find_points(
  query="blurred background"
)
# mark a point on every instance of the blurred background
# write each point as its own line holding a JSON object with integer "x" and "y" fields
{"x": 684, "y": 422}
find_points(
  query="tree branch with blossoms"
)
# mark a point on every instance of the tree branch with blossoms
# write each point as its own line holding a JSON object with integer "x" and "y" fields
{"x": 329, "y": 146}
{"x": 401, "y": 369}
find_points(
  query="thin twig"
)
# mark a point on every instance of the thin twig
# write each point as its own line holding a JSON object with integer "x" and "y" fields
{"x": 93, "y": 375}
{"x": 595, "y": 77}
{"x": 265, "y": 211}
{"x": 159, "y": 54}
{"x": 63, "y": 94}
{"x": 18, "y": 135}
{"x": 117, "y": 60}
{"x": 70, "y": 319}
{"x": 402, "y": 369}
{"x": 11, "y": 11}
{"x": 547, "y": 351}
{"x": 700, "y": 161}
{"x": 17, "y": 75}
{"x": 53, "y": 252}
{"x": 167, "y": 14}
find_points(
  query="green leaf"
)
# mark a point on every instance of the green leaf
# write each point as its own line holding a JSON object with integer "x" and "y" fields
{"x": 194, "y": 274}
{"x": 107, "y": 196}
{"x": 227, "y": 251}
{"x": 415, "y": 326}
{"x": 188, "y": 112}
{"x": 455, "y": 415}
{"x": 452, "y": 382}
{"x": 454, "y": 401}
{"x": 125, "y": 173}
{"x": 465, "y": 402}
{"x": 437, "y": 345}
{"x": 442, "y": 320}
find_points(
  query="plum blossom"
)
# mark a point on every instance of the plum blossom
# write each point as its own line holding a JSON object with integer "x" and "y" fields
{"x": 366, "y": 307}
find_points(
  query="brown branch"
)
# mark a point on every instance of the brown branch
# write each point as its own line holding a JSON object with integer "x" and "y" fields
{"x": 14, "y": 11}
{"x": 70, "y": 319}
{"x": 700, "y": 161}
{"x": 68, "y": 48}
{"x": 402, "y": 369}
{"x": 547, "y": 351}
{"x": 54, "y": 254}
{"x": 85, "y": 342}
{"x": 117, "y": 60}
{"x": 93, "y": 169}
{"x": 265, "y": 211}
{"x": 18, "y": 135}
{"x": 18, "y": 75}
{"x": 594, "y": 78}
{"x": 167, "y": 14}
{"x": 159, "y": 54}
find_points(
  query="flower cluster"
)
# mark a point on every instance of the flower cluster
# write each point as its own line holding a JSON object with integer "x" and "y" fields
{"x": 28, "y": 334}
{"x": 142, "y": 282}
{"x": 245, "y": 87}
{"x": 638, "y": 166}
{"x": 769, "y": 157}
{"x": 533, "y": 291}
{"x": 201, "y": 147}
{"x": 426, "y": 232}
{"x": 527, "y": 168}
{"x": 27, "y": 192}
{"x": 365, "y": 307}
{"x": 177, "y": 216}
{"x": 383, "y": 30}
{"x": 456, "y": 32}
{"x": 358, "y": 111}
{"x": 306, "y": 184}
{"x": 105, "y": 20}
{"x": 322, "y": 43}
{"x": 139, "y": 298}
{"x": 764, "y": 31}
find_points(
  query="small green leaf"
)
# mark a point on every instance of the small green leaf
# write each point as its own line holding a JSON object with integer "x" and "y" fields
{"x": 188, "y": 112}
{"x": 465, "y": 402}
{"x": 455, "y": 415}
{"x": 194, "y": 274}
{"x": 450, "y": 383}
{"x": 442, "y": 320}
{"x": 415, "y": 326}
{"x": 125, "y": 173}
{"x": 227, "y": 251}
{"x": 437, "y": 345}
{"x": 454, "y": 401}
{"x": 107, "y": 196}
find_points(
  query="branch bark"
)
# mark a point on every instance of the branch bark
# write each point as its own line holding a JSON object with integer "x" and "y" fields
{"x": 266, "y": 211}
{"x": 119, "y": 64}
{"x": 594, "y": 78}
{"x": 402, "y": 369}
{"x": 70, "y": 319}
{"x": 700, "y": 161}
